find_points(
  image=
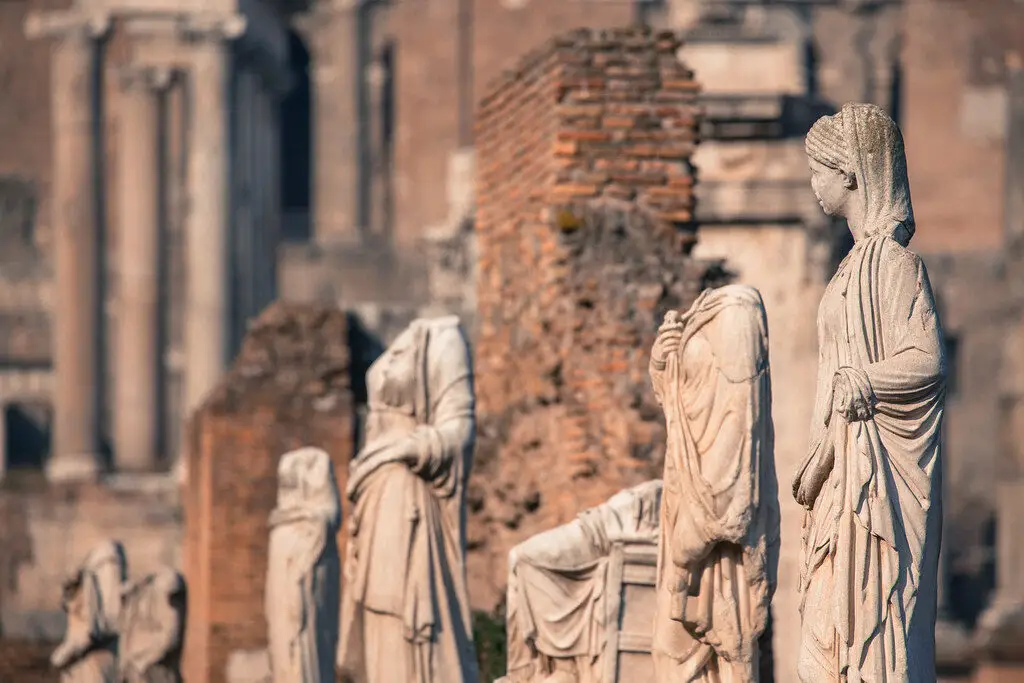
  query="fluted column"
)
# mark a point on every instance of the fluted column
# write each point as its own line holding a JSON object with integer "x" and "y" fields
{"x": 76, "y": 234}
{"x": 207, "y": 317}
{"x": 137, "y": 376}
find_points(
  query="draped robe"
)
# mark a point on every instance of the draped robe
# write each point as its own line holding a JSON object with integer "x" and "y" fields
{"x": 152, "y": 629}
{"x": 303, "y": 579}
{"x": 557, "y": 604}
{"x": 405, "y": 613}
{"x": 872, "y": 486}
{"x": 718, "y": 548}
{"x": 88, "y": 653}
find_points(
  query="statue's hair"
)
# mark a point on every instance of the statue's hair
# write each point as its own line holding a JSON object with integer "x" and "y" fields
{"x": 826, "y": 142}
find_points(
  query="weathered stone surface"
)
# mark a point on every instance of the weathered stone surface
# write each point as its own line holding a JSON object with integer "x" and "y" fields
{"x": 719, "y": 536}
{"x": 583, "y": 237}
{"x": 289, "y": 388}
{"x": 870, "y": 384}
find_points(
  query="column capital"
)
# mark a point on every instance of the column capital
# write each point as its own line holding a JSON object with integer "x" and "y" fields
{"x": 67, "y": 23}
{"x": 145, "y": 76}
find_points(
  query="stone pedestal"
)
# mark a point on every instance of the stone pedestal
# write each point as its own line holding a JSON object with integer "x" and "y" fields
{"x": 137, "y": 377}
{"x": 76, "y": 234}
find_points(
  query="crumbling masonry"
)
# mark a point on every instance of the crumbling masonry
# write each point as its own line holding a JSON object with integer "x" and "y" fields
{"x": 584, "y": 226}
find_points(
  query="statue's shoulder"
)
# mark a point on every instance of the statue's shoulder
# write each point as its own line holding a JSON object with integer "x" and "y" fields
{"x": 895, "y": 253}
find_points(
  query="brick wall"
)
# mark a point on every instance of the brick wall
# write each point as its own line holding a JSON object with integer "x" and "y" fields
{"x": 585, "y": 197}
{"x": 289, "y": 388}
{"x": 427, "y": 83}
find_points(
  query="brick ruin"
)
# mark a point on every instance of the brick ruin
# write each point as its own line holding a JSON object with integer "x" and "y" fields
{"x": 584, "y": 227}
{"x": 289, "y": 387}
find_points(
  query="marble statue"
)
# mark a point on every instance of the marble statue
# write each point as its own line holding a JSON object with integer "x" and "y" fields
{"x": 92, "y": 601}
{"x": 405, "y": 614}
{"x": 719, "y": 539}
{"x": 556, "y": 609}
{"x": 152, "y": 628}
{"x": 304, "y": 570}
{"x": 871, "y": 481}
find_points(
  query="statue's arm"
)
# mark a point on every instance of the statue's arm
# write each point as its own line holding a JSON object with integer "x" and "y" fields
{"x": 915, "y": 365}
{"x": 440, "y": 447}
{"x": 83, "y": 611}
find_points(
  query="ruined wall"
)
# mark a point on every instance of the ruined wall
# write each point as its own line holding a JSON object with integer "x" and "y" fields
{"x": 288, "y": 388}
{"x": 443, "y": 52}
{"x": 585, "y": 197}
{"x": 428, "y": 82}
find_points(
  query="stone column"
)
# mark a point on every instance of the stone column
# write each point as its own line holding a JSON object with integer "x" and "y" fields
{"x": 76, "y": 233}
{"x": 273, "y": 235}
{"x": 330, "y": 34}
{"x": 137, "y": 377}
{"x": 207, "y": 317}
{"x": 265, "y": 137}
{"x": 243, "y": 193}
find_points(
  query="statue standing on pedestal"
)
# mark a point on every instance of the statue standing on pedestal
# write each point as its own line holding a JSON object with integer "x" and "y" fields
{"x": 871, "y": 482}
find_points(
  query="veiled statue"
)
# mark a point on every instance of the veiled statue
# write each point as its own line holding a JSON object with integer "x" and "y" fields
{"x": 405, "y": 613}
{"x": 557, "y": 604}
{"x": 92, "y": 601}
{"x": 304, "y": 570}
{"x": 719, "y": 539}
{"x": 152, "y": 628}
{"x": 871, "y": 480}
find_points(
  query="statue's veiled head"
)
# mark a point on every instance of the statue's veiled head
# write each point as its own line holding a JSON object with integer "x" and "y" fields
{"x": 305, "y": 478}
{"x": 859, "y": 169}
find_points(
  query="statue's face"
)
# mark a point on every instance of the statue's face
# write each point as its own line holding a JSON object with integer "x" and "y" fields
{"x": 832, "y": 188}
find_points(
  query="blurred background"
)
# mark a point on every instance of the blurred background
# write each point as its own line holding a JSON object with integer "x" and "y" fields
{"x": 171, "y": 168}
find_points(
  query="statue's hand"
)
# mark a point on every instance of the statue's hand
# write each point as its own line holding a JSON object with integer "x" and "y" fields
{"x": 667, "y": 342}
{"x": 808, "y": 484}
{"x": 853, "y": 402}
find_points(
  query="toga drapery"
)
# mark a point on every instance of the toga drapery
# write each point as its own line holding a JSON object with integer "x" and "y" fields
{"x": 405, "y": 607}
{"x": 718, "y": 550}
{"x": 872, "y": 486}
